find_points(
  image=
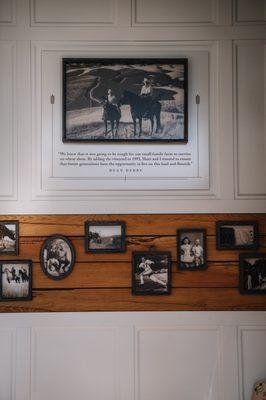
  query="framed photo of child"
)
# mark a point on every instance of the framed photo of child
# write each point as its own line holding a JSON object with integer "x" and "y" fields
{"x": 191, "y": 246}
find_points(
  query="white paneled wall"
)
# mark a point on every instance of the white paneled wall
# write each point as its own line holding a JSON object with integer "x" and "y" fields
{"x": 133, "y": 356}
{"x": 224, "y": 41}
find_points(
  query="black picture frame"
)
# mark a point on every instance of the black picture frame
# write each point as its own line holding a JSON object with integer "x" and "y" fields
{"x": 74, "y": 129}
{"x": 252, "y": 273}
{"x": 20, "y": 277}
{"x": 151, "y": 288}
{"x": 88, "y": 239}
{"x": 14, "y": 252}
{"x": 223, "y": 242}
{"x": 57, "y": 260}
{"x": 192, "y": 263}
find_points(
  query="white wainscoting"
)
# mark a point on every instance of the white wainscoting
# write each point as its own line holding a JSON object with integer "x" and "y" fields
{"x": 7, "y": 12}
{"x": 250, "y": 12}
{"x": 133, "y": 356}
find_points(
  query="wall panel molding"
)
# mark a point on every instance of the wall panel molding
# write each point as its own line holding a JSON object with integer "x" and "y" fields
{"x": 102, "y": 13}
{"x": 249, "y": 125}
{"x": 249, "y": 12}
{"x": 7, "y": 12}
{"x": 8, "y": 132}
{"x": 181, "y": 13}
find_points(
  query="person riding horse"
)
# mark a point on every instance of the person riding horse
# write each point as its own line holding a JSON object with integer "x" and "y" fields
{"x": 146, "y": 93}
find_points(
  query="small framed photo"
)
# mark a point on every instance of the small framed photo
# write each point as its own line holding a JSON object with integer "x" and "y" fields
{"x": 105, "y": 237}
{"x": 252, "y": 273}
{"x": 151, "y": 272}
{"x": 9, "y": 234}
{"x": 238, "y": 235}
{"x": 192, "y": 252}
{"x": 16, "y": 280}
{"x": 57, "y": 257}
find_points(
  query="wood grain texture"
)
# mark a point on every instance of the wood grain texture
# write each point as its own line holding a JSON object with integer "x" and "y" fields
{"x": 102, "y": 282}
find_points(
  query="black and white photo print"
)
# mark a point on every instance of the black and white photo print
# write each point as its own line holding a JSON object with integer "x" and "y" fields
{"x": 9, "y": 236}
{"x": 191, "y": 245}
{"x": 127, "y": 100}
{"x": 239, "y": 235}
{"x": 105, "y": 237}
{"x": 16, "y": 280}
{"x": 252, "y": 273}
{"x": 151, "y": 272}
{"x": 57, "y": 257}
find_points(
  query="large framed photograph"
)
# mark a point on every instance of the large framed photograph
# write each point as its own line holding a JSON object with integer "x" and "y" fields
{"x": 105, "y": 237}
{"x": 9, "y": 236}
{"x": 57, "y": 257}
{"x": 151, "y": 272}
{"x": 125, "y": 100}
{"x": 16, "y": 280}
{"x": 252, "y": 273}
{"x": 238, "y": 235}
{"x": 192, "y": 251}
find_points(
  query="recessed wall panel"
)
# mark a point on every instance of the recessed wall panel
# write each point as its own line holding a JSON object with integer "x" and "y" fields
{"x": 174, "y": 11}
{"x": 253, "y": 358}
{"x": 71, "y": 363}
{"x": 161, "y": 352}
{"x": 7, "y": 118}
{"x": 6, "y": 360}
{"x": 250, "y": 11}
{"x": 65, "y": 12}
{"x": 250, "y": 118}
{"x": 6, "y": 12}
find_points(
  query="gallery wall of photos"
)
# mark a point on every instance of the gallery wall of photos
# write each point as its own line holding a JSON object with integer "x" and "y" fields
{"x": 132, "y": 262}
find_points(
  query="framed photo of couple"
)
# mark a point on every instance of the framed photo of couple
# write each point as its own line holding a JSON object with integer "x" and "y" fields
{"x": 192, "y": 252}
{"x": 125, "y": 100}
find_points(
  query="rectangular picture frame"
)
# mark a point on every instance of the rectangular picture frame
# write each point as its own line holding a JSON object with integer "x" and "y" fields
{"x": 91, "y": 87}
{"x": 91, "y": 239}
{"x": 152, "y": 274}
{"x": 8, "y": 278}
{"x": 220, "y": 241}
{"x": 189, "y": 257}
{"x": 6, "y": 232}
{"x": 252, "y": 273}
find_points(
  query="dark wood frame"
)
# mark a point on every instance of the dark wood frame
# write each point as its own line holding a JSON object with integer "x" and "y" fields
{"x": 16, "y": 251}
{"x": 183, "y": 61}
{"x": 105, "y": 223}
{"x": 254, "y": 246}
{"x": 29, "y": 297}
{"x": 169, "y": 273}
{"x": 73, "y": 256}
{"x": 242, "y": 257}
{"x": 179, "y": 232}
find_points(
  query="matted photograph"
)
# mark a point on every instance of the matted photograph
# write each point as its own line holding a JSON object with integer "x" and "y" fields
{"x": 151, "y": 272}
{"x": 9, "y": 236}
{"x": 57, "y": 257}
{"x": 16, "y": 280}
{"x": 192, "y": 252}
{"x": 252, "y": 273}
{"x": 105, "y": 237}
{"x": 126, "y": 100}
{"x": 237, "y": 235}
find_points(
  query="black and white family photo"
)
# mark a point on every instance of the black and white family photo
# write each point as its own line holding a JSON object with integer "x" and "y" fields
{"x": 9, "y": 233}
{"x": 16, "y": 279}
{"x": 57, "y": 257}
{"x": 252, "y": 273}
{"x": 105, "y": 237}
{"x": 125, "y": 100}
{"x": 151, "y": 273}
{"x": 191, "y": 244}
{"x": 237, "y": 235}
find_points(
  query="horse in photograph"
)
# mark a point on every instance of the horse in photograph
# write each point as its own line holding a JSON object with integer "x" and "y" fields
{"x": 142, "y": 107}
{"x": 5, "y": 232}
{"x": 11, "y": 275}
{"x": 112, "y": 114}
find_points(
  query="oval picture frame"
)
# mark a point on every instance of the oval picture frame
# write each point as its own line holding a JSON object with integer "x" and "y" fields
{"x": 57, "y": 254}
